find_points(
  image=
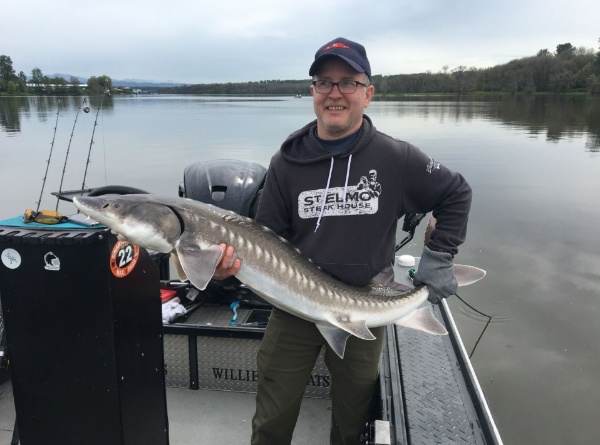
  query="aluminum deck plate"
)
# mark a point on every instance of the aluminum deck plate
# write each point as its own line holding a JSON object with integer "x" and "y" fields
{"x": 438, "y": 407}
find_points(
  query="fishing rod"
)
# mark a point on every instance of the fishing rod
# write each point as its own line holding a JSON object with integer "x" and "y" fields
{"x": 67, "y": 155}
{"x": 49, "y": 158}
{"x": 45, "y": 216}
{"x": 87, "y": 163}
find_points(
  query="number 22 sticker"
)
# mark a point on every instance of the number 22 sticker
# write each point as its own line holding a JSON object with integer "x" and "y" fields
{"x": 123, "y": 258}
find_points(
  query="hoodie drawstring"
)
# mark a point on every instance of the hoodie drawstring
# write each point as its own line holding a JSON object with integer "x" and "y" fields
{"x": 347, "y": 175}
{"x": 326, "y": 191}
{"x": 324, "y": 197}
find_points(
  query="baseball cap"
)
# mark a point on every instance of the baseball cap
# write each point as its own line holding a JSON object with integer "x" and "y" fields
{"x": 351, "y": 52}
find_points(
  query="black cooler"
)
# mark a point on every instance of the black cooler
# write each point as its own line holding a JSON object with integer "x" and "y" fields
{"x": 82, "y": 315}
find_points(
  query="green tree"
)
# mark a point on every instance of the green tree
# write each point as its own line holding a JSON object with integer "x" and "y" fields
{"x": 59, "y": 85}
{"x": 47, "y": 82}
{"x": 459, "y": 75}
{"x": 6, "y": 68}
{"x": 37, "y": 78}
{"x": 593, "y": 84}
{"x": 565, "y": 49}
{"x": 541, "y": 69}
{"x": 597, "y": 62}
{"x": 22, "y": 82}
{"x": 562, "y": 82}
{"x": 75, "y": 83}
{"x": 100, "y": 84}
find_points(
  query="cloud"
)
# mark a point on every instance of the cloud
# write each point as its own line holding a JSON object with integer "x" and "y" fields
{"x": 235, "y": 40}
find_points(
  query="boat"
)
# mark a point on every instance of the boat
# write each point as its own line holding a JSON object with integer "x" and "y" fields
{"x": 91, "y": 329}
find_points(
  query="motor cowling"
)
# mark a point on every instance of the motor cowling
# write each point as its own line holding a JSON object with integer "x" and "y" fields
{"x": 229, "y": 184}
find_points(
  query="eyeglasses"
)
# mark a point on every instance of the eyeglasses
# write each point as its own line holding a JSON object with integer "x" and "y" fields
{"x": 345, "y": 86}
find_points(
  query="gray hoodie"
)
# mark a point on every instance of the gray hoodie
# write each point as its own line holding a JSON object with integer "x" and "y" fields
{"x": 341, "y": 210}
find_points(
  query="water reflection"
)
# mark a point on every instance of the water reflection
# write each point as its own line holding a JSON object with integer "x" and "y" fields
{"x": 558, "y": 117}
{"x": 14, "y": 109}
{"x": 10, "y": 113}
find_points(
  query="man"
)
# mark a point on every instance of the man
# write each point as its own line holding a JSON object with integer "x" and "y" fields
{"x": 316, "y": 197}
{"x": 370, "y": 184}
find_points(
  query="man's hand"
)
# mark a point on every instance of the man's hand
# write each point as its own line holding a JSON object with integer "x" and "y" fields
{"x": 227, "y": 267}
{"x": 436, "y": 270}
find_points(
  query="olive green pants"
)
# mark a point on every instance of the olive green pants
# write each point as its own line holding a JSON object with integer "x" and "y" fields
{"x": 285, "y": 360}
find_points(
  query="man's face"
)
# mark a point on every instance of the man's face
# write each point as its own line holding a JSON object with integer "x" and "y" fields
{"x": 339, "y": 115}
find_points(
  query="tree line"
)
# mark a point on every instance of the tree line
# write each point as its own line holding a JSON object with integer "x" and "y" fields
{"x": 567, "y": 69}
{"x": 39, "y": 84}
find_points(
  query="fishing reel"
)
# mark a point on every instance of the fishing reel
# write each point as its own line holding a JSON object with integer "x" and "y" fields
{"x": 411, "y": 221}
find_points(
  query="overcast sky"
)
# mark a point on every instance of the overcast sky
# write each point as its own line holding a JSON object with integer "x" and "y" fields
{"x": 248, "y": 40}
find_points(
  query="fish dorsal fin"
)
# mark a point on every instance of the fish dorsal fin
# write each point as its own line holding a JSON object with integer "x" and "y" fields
{"x": 198, "y": 264}
{"x": 335, "y": 337}
{"x": 422, "y": 319}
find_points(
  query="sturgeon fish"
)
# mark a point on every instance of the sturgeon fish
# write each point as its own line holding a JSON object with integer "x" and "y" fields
{"x": 270, "y": 265}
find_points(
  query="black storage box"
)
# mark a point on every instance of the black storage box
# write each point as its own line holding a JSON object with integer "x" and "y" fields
{"x": 83, "y": 323}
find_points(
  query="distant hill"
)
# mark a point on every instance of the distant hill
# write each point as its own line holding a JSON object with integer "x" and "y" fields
{"x": 67, "y": 77}
{"x": 135, "y": 83}
{"x": 142, "y": 83}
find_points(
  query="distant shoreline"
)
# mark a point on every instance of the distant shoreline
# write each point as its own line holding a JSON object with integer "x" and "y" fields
{"x": 377, "y": 96}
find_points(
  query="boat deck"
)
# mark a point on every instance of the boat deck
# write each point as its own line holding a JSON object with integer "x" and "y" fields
{"x": 441, "y": 405}
{"x": 197, "y": 417}
{"x": 428, "y": 393}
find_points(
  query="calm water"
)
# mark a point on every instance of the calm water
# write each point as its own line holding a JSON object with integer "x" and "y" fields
{"x": 534, "y": 165}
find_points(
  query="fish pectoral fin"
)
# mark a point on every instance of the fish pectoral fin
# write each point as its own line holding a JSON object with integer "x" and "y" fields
{"x": 466, "y": 275}
{"x": 423, "y": 319}
{"x": 178, "y": 268}
{"x": 334, "y": 336}
{"x": 199, "y": 264}
{"x": 357, "y": 328}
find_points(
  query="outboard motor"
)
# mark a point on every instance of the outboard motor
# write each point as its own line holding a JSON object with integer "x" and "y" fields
{"x": 229, "y": 184}
{"x": 232, "y": 185}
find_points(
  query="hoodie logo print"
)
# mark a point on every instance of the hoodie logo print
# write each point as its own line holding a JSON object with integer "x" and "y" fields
{"x": 361, "y": 199}
{"x": 433, "y": 165}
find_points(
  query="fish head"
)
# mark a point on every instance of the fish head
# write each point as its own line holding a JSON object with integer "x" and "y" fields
{"x": 141, "y": 219}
